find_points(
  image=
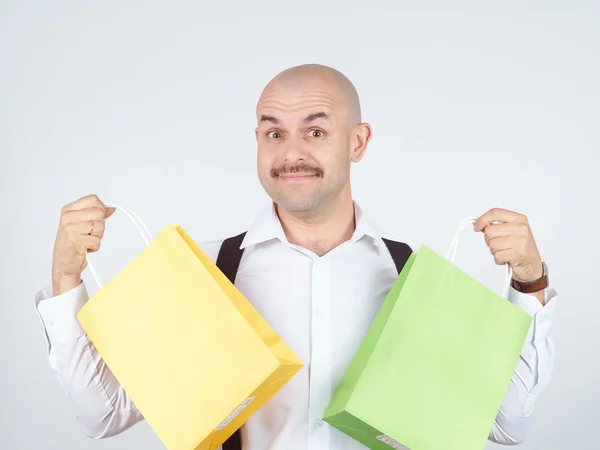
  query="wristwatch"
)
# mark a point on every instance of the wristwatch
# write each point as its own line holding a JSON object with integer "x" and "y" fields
{"x": 531, "y": 287}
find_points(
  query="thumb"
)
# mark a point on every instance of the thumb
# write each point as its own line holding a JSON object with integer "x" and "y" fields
{"x": 109, "y": 212}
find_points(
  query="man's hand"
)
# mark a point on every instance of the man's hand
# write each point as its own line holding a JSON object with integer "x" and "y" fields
{"x": 510, "y": 240}
{"x": 80, "y": 231}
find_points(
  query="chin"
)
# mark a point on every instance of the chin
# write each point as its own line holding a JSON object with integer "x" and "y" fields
{"x": 296, "y": 205}
{"x": 300, "y": 203}
{"x": 301, "y": 207}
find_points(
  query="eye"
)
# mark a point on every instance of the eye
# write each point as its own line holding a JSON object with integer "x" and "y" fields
{"x": 316, "y": 133}
{"x": 274, "y": 134}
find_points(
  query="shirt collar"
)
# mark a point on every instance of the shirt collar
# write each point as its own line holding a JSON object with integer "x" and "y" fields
{"x": 268, "y": 227}
{"x": 265, "y": 228}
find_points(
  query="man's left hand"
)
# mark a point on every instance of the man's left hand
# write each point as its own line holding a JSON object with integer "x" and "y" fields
{"x": 510, "y": 240}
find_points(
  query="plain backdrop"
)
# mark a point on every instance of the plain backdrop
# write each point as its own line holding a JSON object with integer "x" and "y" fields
{"x": 150, "y": 105}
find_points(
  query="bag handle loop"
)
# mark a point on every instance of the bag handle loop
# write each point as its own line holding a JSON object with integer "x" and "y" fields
{"x": 139, "y": 224}
{"x": 451, "y": 255}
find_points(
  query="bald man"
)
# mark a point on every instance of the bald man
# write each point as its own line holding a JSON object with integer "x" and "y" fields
{"x": 311, "y": 264}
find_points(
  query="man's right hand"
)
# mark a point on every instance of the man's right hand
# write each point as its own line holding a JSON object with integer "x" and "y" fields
{"x": 80, "y": 231}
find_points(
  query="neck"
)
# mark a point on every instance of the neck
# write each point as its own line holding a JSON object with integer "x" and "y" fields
{"x": 322, "y": 231}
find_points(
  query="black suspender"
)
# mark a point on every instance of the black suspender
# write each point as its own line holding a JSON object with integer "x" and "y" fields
{"x": 230, "y": 256}
{"x": 228, "y": 261}
{"x": 399, "y": 251}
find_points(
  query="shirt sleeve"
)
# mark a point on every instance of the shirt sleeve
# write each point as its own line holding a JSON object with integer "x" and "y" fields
{"x": 100, "y": 404}
{"x": 533, "y": 370}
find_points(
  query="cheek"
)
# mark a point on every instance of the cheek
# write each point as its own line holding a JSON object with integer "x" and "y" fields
{"x": 340, "y": 156}
{"x": 264, "y": 160}
{"x": 333, "y": 165}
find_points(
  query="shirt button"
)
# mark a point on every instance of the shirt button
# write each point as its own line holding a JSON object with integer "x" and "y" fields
{"x": 319, "y": 423}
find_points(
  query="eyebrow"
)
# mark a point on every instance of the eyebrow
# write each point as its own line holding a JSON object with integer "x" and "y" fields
{"x": 265, "y": 118}
{"x": 315, "y": 116}
{"x": 307, "y": 119}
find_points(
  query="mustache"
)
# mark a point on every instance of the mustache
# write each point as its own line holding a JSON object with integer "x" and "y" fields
{"x": 296, "y": 168}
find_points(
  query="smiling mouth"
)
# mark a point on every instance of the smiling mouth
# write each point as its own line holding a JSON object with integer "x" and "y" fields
{"x": 297, "y": 172}
{"x": 297, "y": 176}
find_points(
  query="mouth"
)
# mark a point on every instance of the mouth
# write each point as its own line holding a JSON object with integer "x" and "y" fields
{"x": 298, "y": 172}
{"x": 296, "y": 176}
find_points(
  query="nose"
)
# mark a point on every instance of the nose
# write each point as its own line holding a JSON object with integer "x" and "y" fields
{"x": 294, "y": 150}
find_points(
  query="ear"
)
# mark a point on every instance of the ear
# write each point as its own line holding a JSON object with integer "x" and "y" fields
{"x": 256, "y": 133}
{"x": 361, "y": 136}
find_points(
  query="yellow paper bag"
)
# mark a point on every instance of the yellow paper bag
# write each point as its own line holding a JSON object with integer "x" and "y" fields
{"x": 193, "y": 354}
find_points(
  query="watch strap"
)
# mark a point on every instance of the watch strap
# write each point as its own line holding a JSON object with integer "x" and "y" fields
{"x": 531, "y": 287}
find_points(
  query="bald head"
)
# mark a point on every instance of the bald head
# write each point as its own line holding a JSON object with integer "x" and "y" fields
{"x": 316, "y": 78}
{"x": 309, "y": 132}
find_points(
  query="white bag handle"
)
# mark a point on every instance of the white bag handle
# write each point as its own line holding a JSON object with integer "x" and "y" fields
{"x": 451, "y": 255}
{"x": 143, "y": 230}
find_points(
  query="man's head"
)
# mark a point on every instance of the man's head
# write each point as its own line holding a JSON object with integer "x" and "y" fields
{"x": 309, "y": 132}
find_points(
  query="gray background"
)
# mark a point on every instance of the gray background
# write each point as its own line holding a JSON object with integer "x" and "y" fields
{"x": 151, "y": 105}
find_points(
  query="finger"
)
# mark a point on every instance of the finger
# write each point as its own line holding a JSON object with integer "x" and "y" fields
{"x": 500, "y": 244}
{"x": 494, "y": 231}
{"x": 502, "y": 257}
{"x": 497, "y": 215}
{"x": 98, "y": 229}
{"x": 89, "y": 201}
{"x": 109, "y": 211}
{"x": 84, "y": 228}
{"x": 90, "y": 243}
{"x": 83, "y": 215}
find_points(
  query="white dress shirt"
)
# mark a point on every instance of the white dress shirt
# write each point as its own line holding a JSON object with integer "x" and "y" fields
{"x": 322, "y": 307}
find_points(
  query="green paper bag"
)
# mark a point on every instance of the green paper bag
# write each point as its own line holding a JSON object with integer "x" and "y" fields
{"x": 435, "y": 364}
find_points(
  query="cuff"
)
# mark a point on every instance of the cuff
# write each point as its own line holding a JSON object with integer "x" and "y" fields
{"x": 59, "y": 314}
{"x": 543, "y": 315}
{"x": 531, "y": 304}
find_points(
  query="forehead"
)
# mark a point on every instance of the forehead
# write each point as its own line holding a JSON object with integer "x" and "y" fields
{"x": 296, "y": 101}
